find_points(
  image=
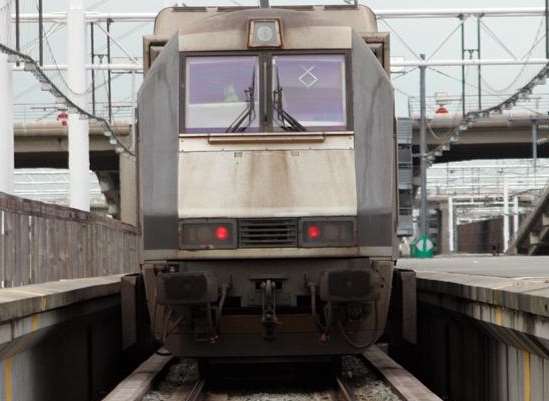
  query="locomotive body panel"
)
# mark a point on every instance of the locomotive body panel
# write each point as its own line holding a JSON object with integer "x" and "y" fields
{"x": 281, "y": 183}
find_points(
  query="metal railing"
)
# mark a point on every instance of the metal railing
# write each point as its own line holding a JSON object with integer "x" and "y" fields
{"x": 536, "y": 104}
{"x": 35, "y": 112}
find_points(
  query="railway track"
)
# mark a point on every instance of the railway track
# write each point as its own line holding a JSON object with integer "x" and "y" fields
{"x": 403, "y": 385}
{"x": 197, "y": 392}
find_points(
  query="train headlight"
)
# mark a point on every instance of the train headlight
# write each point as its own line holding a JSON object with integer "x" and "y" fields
{"x": 327, "y": 232}
{"x": 207, "y": 234}
{"x": 265, "y": 33}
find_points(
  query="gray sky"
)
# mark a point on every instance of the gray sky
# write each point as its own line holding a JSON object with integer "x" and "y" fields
{"x": 423, "y": 36}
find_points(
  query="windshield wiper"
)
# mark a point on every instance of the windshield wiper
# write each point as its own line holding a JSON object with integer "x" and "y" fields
{"x": 283, "y": 116}
{"x": 248, "y": 113}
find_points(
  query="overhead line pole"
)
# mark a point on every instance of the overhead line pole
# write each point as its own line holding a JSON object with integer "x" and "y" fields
{"x": 109, "y": 72}
{"x": 479, "y": 54}
{"x": 17, "y": 26}
{"x": 423, "y": 153}
{"x": 547, "y": 28}
{"x": 92, "y": 44}
{"x": 40, "y": 32}
{"x": 463, "y": 66}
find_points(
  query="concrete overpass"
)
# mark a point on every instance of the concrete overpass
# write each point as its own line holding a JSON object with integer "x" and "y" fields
{"x": 45, "y": 145}
{"x": 506, "y": 136}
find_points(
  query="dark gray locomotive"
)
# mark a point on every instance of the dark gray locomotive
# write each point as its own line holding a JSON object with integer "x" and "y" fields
{"x": 268, "y": 180}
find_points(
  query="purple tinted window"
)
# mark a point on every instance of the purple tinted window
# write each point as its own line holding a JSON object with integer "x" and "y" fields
{"x": 313, "y": 89}
{"x": 217, "y": 93}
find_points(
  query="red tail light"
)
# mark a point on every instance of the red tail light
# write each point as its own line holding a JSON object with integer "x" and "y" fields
{"x": 207, "y": 234}
{"x": 317, "y": 232}
{"x": 313, "y": 232}
{"x": 222, "y": 233}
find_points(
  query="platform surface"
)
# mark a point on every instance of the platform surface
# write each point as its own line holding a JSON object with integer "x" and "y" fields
{"x": 520, "y": 267}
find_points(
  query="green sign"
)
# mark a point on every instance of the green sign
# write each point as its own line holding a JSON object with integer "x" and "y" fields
{"x": 423, "y": 248}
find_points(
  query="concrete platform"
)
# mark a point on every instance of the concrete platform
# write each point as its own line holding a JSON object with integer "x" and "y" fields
{"x": 60, "y": 340}
{"x": 520, "y": 267}
{"x": 483, "y": 327}
{"x": 508, "y": 292}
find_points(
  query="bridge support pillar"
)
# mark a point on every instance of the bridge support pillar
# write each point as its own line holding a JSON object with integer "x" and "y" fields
{"x": 7, "y": 155}
{"x": 79, "y": 143}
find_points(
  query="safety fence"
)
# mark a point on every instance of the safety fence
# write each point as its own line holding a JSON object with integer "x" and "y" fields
{"x": 40, "y": 242}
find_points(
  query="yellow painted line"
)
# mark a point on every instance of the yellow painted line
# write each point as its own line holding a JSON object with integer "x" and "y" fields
{"x": 35, "y": 322}
{"x": 527, "y": 375}
{"x": 499, "y": 316}
{"x": 8, "y": 379}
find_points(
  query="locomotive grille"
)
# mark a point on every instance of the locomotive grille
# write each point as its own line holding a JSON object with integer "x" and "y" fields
{"x": 267, "y": 233}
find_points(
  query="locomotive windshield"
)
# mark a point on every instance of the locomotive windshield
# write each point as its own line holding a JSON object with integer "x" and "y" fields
{"x": 308, "y": 93}
{"x": 221, "y": 92}
{"x": 311, "y": 89}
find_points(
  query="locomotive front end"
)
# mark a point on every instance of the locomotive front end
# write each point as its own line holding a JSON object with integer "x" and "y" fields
{"x": 268, "y": 183}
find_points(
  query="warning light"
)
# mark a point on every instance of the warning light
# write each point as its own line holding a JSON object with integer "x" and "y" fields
{"x": 442, "y": 110}
{"x": 63, "y": 118}
{"x": 222, "y": 233}
{"x": 313, "y": 232}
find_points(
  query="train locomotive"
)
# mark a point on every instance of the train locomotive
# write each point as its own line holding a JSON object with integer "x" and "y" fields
{"x": 268, "y": 181}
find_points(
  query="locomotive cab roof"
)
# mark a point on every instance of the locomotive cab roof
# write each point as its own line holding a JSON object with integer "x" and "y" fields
{"x": 227, "y": 28}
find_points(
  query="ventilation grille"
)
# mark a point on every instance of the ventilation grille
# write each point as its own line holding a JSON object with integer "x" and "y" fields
{"x": 267, "y": 233}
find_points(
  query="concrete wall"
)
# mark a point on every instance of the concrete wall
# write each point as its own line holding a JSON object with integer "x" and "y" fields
{"x": 461, "y": 359}
{"x": 63, "y": 340}
{"x": 484, "y": 236}
{"x": 80, "y": 360}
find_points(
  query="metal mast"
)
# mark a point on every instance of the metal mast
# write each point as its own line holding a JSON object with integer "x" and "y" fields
{"x": 547, "y": 28}
{"x": 424, "y": 212}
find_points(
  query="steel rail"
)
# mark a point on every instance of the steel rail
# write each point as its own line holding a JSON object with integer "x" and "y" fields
{"x": 189, "y": 392}
{"x": 140, "y": 382}
{"x": 343, "y": 392}
{"x": 402, "y": 382}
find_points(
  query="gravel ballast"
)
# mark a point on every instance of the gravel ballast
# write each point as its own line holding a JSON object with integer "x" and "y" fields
{"x": 361, "y": 378}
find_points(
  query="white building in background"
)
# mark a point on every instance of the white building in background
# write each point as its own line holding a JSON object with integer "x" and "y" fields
{"x": 52, "y": 186}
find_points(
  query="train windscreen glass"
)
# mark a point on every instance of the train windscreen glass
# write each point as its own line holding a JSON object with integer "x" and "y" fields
{"x": 221, "y": 94}
{"x": 309, "y": 90}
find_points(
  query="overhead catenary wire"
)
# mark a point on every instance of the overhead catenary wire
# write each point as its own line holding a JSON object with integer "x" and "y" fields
{"x": 32, "y": 66}
{"x": 537, "y": 40}
{"x": 497, "y": 40}
{"x": 447, "y": 38}
{"x": 402, "y": 40}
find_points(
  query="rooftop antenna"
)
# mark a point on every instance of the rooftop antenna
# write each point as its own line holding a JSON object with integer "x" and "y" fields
{"x": 264, "y": 4}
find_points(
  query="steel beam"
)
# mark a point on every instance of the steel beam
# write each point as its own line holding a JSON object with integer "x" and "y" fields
{"x": 505, "y": 216}
{"x": 382, "y": 14}
{"x": 405, "y": 63}
{"x": 40, "y": 32}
